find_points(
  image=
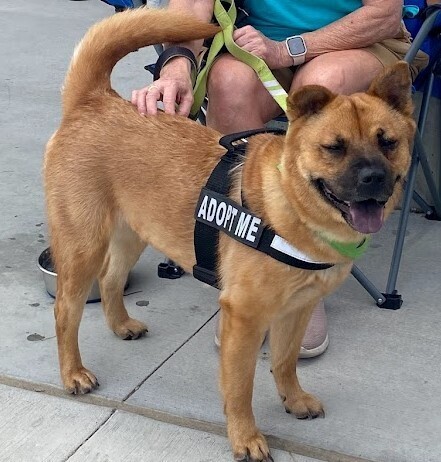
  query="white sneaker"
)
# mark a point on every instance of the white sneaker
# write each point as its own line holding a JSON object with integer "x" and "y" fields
{"x": 316, "y": 339}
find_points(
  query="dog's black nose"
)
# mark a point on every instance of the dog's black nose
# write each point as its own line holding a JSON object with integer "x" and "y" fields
{"x": 371, "y": 177}
{"x": 373, "y": 183}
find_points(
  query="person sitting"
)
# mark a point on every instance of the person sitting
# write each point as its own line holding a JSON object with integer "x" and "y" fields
{"x": 341, "y": 45}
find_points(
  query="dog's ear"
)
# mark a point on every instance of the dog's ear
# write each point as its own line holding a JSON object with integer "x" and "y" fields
{"x": 393, "y": 86}
{"x": 307, "y": 101}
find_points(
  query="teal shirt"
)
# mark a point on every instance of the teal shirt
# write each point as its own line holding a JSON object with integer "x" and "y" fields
{"x": 279, "y": 19}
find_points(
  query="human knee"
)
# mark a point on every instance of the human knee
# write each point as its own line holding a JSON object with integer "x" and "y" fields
{"x": 330, "y": 76}
{"x": 230, "y": 85}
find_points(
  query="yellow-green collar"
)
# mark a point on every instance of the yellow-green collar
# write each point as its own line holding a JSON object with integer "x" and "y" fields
{"x": 350, "y": 250}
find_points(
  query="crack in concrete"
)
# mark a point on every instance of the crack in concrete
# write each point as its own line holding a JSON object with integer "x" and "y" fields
{"x": 137, "y": 387}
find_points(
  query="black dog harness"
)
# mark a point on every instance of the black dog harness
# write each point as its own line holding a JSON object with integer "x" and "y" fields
{"x": 216, "y": 212}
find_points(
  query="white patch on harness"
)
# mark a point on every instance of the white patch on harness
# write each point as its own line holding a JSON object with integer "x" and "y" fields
{"x": 278, "y": 243}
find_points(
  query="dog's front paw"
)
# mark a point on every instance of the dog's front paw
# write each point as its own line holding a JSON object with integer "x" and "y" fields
{"x": 130, "y": 329}
{"x": 304, "y": 406}
{"x": 80, "y": 381}
{"x": 251, "y": 448}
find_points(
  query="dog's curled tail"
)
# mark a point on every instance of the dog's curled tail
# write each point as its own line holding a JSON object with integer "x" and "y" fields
{"x": 113, "y": 38}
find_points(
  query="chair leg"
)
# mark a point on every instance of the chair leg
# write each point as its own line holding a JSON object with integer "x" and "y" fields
{"x": 432, "y": 212}
{"x": 368, "y": 285}
{"x": 402, "y": 226}
{"x": 424, "y": 110}
{"x": 428, "y": 176}
{"x": 422, "y": 204}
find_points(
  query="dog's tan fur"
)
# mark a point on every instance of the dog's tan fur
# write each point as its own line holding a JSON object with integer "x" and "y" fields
{"x": 104, "y": 171}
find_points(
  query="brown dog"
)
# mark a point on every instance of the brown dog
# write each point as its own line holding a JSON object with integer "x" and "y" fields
{"x": 334, "y": 177}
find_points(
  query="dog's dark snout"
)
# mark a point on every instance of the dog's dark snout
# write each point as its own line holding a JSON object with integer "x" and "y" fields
{"x": 371, "y": 176}
{"x": 372, "y": 180}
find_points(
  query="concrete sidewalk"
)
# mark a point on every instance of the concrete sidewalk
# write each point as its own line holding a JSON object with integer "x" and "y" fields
{"x": 158, "y": 399}
{"x": 37, "y": 427}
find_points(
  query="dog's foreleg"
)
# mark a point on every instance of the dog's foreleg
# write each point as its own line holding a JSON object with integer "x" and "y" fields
{"x": 125, "y": 247}
{"x": 286, "y": 335}
{"x": 241, "y": 338}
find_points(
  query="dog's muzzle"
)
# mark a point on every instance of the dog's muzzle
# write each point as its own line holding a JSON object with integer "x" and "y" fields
{"x": 365, "y": 212}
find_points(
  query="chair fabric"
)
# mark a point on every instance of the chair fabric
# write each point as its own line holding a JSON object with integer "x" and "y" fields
{"x": 431, "y": 45}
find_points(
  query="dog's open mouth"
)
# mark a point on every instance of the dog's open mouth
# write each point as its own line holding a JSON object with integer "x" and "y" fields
{"x": 365, "y": 216}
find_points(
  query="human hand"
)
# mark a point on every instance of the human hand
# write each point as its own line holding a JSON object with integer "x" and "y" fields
{"x": 273, "y": 53}
{"x": 174, "y": 87}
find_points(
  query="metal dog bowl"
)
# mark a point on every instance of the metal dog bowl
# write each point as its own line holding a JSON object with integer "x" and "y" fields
{"x": 46, "y": 266}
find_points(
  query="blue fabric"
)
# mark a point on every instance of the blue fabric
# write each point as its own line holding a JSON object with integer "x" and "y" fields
{"x": 120, "y": 3}
{"x": 279, "y": 19}
{"x": 432, "y": 45}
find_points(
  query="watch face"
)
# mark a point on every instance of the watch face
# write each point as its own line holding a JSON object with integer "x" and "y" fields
{"x": 296, "y": 46}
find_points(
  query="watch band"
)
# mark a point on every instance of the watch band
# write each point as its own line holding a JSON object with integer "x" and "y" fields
{"x": 299, "y": 59}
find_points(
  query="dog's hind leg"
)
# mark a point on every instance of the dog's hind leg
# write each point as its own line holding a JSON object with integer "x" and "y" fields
{"x": 123, "y": 252}
{"x": 77, "y": 267}
{"x": 286, "y": 335}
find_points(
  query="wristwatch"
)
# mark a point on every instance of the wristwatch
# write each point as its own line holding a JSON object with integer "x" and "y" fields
{"x": 296, "y": 49}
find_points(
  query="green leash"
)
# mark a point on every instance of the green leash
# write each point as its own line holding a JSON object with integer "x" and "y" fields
{"x": 226, "y": 20}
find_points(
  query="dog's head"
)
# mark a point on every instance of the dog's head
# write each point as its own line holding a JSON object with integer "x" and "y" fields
{"x": 352, "y": 152}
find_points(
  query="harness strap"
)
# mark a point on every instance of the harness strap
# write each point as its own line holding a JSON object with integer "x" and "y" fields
{"x": 226, "y": 19}
{"x": 205, "y": 237}
{"x": 215, "y": 212}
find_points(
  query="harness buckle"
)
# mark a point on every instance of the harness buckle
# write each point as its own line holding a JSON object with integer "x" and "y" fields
{"x": 205, "y": 275}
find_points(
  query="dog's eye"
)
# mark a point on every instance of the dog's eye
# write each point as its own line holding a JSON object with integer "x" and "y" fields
{"x": 338, "y": 147}
{"x": 386, "y": 143}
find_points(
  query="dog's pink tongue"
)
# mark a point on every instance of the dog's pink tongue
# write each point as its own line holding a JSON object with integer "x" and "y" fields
{"x": 367, "y": 217}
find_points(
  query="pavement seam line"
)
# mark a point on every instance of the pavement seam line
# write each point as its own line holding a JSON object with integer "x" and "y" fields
{"x": 297, "y": 448}
{"x": 97, "y": 429}
{"x": 140, "y": 384}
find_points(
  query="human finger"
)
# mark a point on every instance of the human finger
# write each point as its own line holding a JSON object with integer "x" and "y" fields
{"x": 185, "y": 103}
{"x": 151, "y": 98}
{"x": 169, "y": 99}
{"x": 243, "y": 31}
{"x": 241, "y": 38}
{"x": 138, "y": 100}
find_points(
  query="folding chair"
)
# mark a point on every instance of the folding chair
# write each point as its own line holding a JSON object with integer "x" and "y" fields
{"x": 429, "y": 28}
